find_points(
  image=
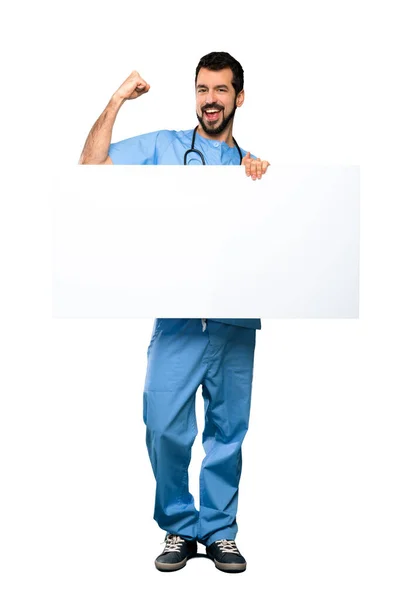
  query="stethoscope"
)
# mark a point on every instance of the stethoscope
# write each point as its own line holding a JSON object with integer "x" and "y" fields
{"x": 193, "y": 149}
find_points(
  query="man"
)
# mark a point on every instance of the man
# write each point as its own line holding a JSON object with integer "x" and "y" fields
{"x": 183, "y": 354}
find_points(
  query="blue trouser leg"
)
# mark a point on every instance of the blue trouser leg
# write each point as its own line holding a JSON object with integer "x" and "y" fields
{"x": 227, "y": 397}
{"x": 181, "y": 357}
{"x": 174, "y": 372}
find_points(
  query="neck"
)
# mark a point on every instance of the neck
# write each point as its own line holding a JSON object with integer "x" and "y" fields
{"x": 225, "y": 136}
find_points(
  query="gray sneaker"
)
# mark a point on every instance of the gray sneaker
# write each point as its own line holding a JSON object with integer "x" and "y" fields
{"x": 226, "y": 556}
{"x": 176, "y": 553}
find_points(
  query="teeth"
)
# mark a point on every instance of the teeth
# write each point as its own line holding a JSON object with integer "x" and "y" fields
{"x": 212, "y": 111}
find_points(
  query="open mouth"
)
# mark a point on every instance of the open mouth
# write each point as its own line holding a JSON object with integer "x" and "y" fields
{"x": 212, "y": 114}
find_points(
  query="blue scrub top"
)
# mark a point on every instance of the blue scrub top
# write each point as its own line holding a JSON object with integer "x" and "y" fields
{"x": 167, "y": 147}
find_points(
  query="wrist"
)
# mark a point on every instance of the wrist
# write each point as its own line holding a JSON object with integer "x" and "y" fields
{"x": 117, "y": 101}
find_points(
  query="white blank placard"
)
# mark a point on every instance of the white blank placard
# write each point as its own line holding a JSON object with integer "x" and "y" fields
{"x": 181, "y": 242}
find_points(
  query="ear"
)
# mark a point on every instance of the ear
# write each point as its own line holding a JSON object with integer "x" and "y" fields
{"x": 240, "y": 98}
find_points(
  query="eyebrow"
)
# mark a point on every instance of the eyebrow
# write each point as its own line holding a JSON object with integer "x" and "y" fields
{"x": 200, "y": 85}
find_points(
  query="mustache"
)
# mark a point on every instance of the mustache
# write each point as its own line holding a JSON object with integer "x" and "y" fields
{"x": 210, "y": 106}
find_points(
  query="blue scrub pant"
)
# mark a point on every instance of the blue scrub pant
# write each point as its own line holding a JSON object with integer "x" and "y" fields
{"x": 184, "y": 354}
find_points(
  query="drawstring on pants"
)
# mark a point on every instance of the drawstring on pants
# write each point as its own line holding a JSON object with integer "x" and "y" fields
{"x": 204, "y": 324}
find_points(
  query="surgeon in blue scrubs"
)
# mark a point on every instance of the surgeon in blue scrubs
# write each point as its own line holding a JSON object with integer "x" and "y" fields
{"x": 184, "y": 354}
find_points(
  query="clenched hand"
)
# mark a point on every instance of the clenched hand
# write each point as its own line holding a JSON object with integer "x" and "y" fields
{"x": 133, "y": 87}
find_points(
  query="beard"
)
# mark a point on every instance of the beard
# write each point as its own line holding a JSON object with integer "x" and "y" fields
{"x": 220, "y": 128}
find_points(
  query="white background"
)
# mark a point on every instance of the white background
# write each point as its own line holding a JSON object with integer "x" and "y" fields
{"x": 319, "y": 495}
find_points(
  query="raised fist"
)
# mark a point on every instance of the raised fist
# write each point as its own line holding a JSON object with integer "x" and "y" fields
{"x": 133, "y": 87}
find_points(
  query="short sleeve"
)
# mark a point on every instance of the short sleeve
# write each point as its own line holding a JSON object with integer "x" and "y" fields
{"x": 138, "y": 150}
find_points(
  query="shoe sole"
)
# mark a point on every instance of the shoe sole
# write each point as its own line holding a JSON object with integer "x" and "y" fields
{"x": 167, "y": 567}
{"x": 230, "y": 568}
{"x": 170, "y": 566}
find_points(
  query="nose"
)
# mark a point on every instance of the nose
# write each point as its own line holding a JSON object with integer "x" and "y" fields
{"x": 211, "y": 97}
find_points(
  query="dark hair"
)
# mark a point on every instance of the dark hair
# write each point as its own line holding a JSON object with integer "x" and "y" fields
{"x": 216, "y": 61}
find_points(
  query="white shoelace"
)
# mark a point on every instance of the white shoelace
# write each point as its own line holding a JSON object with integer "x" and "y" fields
{"x": 173, "y": 543}
{"x": 228, "y": 546}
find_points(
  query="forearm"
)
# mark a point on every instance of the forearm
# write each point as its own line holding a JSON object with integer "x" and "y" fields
{"x": 95, "y": 150}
